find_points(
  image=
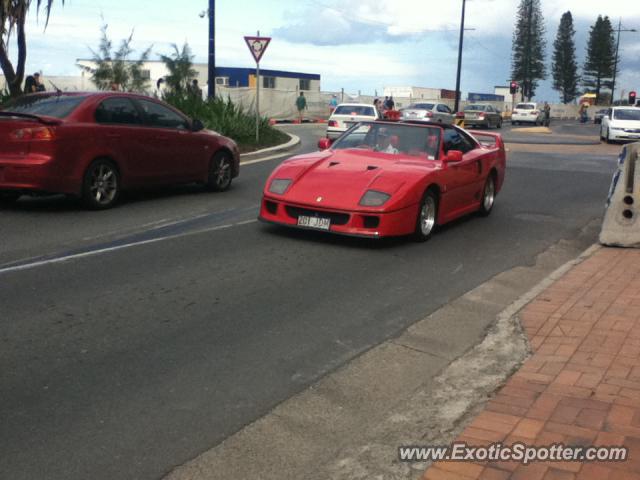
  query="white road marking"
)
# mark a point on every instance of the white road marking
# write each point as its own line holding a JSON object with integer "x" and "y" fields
{"x": 91, "y": 253}
{"x": 259, "y": 160}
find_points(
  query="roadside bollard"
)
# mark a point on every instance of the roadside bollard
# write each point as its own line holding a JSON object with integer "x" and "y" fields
{"x": 621, "y": 224}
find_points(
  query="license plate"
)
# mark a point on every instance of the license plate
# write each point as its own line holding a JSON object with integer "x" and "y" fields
{"x": 314, "y": 222}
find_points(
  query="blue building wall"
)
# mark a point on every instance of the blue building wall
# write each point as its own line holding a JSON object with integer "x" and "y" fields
{"x": 239, "y": 77}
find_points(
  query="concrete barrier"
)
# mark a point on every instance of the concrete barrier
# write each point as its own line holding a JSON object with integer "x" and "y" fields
{"x": 621, "y": 225}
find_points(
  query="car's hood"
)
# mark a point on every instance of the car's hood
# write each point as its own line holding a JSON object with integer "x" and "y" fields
{"x": 338, "y": 179}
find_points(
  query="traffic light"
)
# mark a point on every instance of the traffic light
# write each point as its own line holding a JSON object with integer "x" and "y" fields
{"x": 632, "y": 98}
{"x": 513, "y": 88}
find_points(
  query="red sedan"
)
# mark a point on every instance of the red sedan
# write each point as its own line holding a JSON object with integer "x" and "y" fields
{"x": 94, "y": 145}
{"x": 384, "y": 179}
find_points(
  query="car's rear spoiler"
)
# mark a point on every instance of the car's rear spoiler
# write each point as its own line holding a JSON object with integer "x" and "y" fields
{"x": 488, "y": 139}
{"x": 38, "y": 118}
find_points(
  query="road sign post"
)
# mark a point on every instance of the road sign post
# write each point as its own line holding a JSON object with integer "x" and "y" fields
{"x": 257, "y": 45}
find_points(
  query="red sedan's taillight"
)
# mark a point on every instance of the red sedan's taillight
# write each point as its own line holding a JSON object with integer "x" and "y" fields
{"x": 43, "y": 134}
{"x": 333, "y": 123}
{"x": 481, "y": 116}
{"x": 429, "y": 114}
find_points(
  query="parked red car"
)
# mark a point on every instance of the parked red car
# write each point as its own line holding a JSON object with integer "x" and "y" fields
{"x": 94, "y": 145}
{"x": 385, "y": 178}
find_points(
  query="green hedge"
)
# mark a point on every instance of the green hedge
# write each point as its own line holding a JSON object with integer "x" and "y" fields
{"x": 228, "y": 119}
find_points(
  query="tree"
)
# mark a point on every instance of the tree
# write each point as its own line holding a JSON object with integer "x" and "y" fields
{"x": 181, "y": 71}
{"x": 564, "y": 66}
{"x": 599, "y": 64}
{"x": 13, "y": 16}
{"x": 527, "y": 60}
{"x": 114, "y": 70}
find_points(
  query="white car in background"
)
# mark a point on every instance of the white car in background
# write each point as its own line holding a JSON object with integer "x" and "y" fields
{"x": 527, "y": 112}
{"x": 620, "y": 123}
{"x": 428, "y": 112}
{"x": 346, "y": 115}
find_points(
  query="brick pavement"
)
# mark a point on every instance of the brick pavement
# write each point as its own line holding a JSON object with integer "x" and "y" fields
{"x": 581, "y": 386}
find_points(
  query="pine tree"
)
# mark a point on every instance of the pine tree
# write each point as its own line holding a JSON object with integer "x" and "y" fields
{"x": 599, "y": 64}
{"x": 564, "y": 66}
{"x": 527, "y": 61}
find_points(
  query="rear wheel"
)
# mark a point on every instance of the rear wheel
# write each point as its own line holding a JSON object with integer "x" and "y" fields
{"x": 427, "y": 215}
{"x": 101, "y": 185}
{"x": 488, "y": 196}
{"x": 219, "y": 172}
{"x": 499, "y": 125}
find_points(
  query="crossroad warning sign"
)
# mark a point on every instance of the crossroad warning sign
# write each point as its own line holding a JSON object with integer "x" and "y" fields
{"x": 257, "y": 46}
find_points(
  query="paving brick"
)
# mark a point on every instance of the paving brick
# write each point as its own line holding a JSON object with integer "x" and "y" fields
{"x": 593, "y": 471}
{"x": 565, "y": 414}
{"x": 434, "y": 473}
{"x": 494, "y": 474}
{"x": 533, "y": 471}
{"x": 556, "y": 474}
{"x": 590, "y": 418}
{"x": 467, "y": 469}
{"x": 528, "y": 428}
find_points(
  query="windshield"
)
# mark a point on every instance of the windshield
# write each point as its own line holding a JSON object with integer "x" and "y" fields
{"x": 525, "y": 106}
{"x": 57, "y": 106}
{"x": 354, "y": 110}
{"x": 399, "y": 139}
{"x": 627, "y": 114}
{"x": 422, "y": 106}
{"x": 479, "y": 108}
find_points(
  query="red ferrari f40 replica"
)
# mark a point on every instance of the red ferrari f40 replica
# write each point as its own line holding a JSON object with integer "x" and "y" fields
{"x": 382, "y": 179}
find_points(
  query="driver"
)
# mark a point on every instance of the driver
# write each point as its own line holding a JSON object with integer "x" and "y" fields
{"x": 385, "y": 143}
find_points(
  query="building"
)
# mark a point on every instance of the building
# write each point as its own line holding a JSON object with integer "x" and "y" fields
{"x": 154, "y": 70}
{"x": 420, "y": 93}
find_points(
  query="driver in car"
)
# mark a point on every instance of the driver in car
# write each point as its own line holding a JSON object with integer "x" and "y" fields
{"x": 387, "y": 143}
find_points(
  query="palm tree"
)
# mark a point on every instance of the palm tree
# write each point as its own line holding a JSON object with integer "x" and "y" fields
{"x": 13, "y": 15}
{"x": 181, "y": 71}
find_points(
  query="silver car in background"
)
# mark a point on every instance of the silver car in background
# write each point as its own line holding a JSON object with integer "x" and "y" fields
{"x": 428, "y": 112}
{"x": 482, "y": 115}
{"x": 348, "y": 114}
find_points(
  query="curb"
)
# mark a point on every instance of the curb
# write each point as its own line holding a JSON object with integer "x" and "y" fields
{"x": 295, "y": 140}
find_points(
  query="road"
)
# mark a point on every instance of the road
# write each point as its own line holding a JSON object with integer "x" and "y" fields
{"x": 176, "y": 319}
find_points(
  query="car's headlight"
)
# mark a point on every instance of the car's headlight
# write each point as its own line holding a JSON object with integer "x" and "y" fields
{"x": 374, "y": 198}
{"x": 279, "y": 185}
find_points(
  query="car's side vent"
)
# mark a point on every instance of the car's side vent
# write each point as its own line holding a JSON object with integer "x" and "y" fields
{"x": 331, "y": 164}
{"x": 371, "y": 167}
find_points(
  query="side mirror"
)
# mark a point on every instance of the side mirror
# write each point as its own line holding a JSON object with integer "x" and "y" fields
{"x": 453, "y": 156}
{"x": 196, "y": 125}
{"x": 324, "y": 143}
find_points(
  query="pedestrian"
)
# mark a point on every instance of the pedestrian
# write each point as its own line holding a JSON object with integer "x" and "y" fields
{"x": 39, "y": 86}
{"x": 583, "y": 112}
{"x": 301, "y": 105}
{"x": 333, "y": 103}
{"x": 385, "y": 103}
{"x": 390, "y": 103}
{"x": 195, "y": 89}
{"x": 30, "y": 85}
{"x": 547, "y": 114}
{"x": 378, "y": 104}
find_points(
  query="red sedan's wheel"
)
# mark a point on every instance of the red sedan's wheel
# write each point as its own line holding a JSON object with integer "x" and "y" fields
{"x": 220, "y": 172}
{"x": 488, "y": 196}
{"x": 427, "y": 215}
{"x": 101, "y": 185}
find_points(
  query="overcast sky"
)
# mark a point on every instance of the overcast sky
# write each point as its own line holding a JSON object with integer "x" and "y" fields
{"x": 356, "y": 44}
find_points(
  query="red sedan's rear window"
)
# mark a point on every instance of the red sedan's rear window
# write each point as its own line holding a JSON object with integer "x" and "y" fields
{"x": 57, "y": 106}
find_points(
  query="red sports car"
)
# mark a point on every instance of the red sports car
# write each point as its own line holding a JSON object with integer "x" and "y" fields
{"x": 94, "y": 145}
{"x": 384, "y": 179}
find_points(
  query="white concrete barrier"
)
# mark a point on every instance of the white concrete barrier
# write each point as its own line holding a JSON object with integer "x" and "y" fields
{"x": 621, "y": 225}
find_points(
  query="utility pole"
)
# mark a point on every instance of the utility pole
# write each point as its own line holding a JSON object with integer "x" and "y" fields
{"x": 211, "y": 77}
{"x": 457, "y": 103}
{"x": 615, "y": 62}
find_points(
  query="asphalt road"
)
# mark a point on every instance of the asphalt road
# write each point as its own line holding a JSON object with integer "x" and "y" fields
{"x": 181, "y": 319}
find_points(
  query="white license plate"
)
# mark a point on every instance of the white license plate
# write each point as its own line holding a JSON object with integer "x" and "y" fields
{"x": 314, "y": 222}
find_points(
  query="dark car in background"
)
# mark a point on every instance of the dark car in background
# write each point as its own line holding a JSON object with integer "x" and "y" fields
{"x": 482, "y": 115}
{"x": 94, "y": 145}
{"x": 597, "y": 117}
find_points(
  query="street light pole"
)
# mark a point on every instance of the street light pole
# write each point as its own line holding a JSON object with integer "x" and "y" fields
{"x": 615, "y": 62}
{"x": 457, "y": 103}
{"x": 211, "y": 77}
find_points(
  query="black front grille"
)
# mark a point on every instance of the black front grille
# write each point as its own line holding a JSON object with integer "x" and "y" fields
{"x": 371, "y": 221}
{"x": 335, "y": 217}
{"x": 272, "y": 207}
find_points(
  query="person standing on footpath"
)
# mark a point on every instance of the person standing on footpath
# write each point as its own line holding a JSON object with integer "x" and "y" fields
{"x": 301, "y": 105}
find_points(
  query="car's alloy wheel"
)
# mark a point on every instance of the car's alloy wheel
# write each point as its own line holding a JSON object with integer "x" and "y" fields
{"x": 101, "y": 187}
{"x": 427, "y": 215}
{"x": 220, "y": 172}
{"x": 488, "y": 196}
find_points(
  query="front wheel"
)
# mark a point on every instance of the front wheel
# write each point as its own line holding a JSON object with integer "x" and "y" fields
{"x": 219, "y": 178}
{"x": 499, "y": 125}
{"x": 101, "y": 185}
{"x": 427, "y": 215}
{"x": 607, "y": 138}
{"x": 488, "y": 196}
